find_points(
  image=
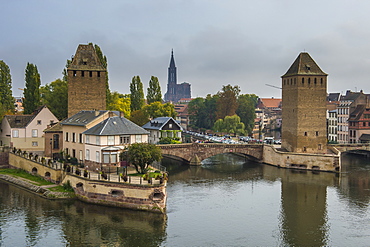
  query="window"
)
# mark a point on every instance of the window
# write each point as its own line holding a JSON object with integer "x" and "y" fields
{"x": 109, "y": 158}
{"x": 138, "y": 138}
{"x": 90, "y": 73}
{"x": 74, "y": 153}
{"x": 67, "y": 151}
{"x": 34, "y": 144}
{"x": 87, "y": 139}
{"x": 110, "y": 140}
{"x": 34, "y": 133}
{"x": 56, "y": 141}
{"x": 317, "y": 133}
{"x": 74, "y": 73}
{"x": 98, "y": 73}
{"x": 170, "y": 126}
{"x": 88, "y": 154}
{"x": 124, "y": 139}
{"x": 80, "y": 138}
{"x": 97, "y": 156}
{"x": 97, "y": 140}
{"x": 73, "y": 137}
{"x": 305, "y": 133}
{"x": 38, "y": 122}
{"x": 82, "y": 73}
{"x": 66, "y": 137}
{"x": 81, "y": 158}
{"x": 15, "y": 133}
{"x": 364, "y": 124}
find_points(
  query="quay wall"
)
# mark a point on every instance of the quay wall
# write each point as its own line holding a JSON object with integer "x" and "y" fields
{"x": 140, "y": 197}
{"x": 317, "y": 162}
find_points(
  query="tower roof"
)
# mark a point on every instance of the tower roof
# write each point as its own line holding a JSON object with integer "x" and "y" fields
{"x": 86, "y": 59}
{"x": 304, "y": 65}
{"x": 172, "y": 61}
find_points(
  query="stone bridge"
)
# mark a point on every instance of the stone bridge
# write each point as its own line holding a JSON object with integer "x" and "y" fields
{"x": 359, "y": 148}
{"x": 194, "y": 153}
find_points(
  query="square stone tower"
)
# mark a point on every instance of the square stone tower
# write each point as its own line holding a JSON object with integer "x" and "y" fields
{"x": 86, "y": 81}
{"x": 304, "y": 107}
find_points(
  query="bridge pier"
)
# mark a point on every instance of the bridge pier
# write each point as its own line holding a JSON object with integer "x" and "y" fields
{"x": 195, "y": 161}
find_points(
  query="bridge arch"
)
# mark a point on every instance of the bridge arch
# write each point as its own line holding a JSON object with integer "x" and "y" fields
{"x": 194, "y": 153}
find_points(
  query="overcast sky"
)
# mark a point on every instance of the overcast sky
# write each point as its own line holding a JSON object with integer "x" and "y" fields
{"x": 215, "y": 42}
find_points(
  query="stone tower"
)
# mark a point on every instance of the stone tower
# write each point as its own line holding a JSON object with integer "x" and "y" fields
{"x": 86, "y": 81}
{"x": 304, "y": 107}
{"x": 171, "y": 81}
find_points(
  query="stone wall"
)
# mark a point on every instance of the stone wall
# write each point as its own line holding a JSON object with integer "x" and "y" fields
{"x": 139, "y": 197}
{"x": 318, "y": 162}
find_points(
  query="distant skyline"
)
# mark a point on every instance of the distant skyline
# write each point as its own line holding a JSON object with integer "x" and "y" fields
{"x": 239, "y": 42}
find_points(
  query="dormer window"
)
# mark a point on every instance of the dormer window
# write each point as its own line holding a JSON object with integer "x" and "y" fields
{"x": 308, "y": 67}
{"x": 38, "y": 122}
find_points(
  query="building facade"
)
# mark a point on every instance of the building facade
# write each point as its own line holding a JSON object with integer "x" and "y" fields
{"x": 304, "y": 128}
{"x": 175, "y": 91}
{"x": 87, "y": 78}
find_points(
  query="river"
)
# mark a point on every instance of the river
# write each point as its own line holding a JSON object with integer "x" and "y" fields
{"x": 228, "y": 201}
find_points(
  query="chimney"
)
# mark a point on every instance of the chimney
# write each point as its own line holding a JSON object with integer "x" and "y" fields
{"x": 110, "y": 114}
{"x": 121, "y": 114}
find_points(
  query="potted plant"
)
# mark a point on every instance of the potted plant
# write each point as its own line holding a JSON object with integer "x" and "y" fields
{"x": 86, "y": 173}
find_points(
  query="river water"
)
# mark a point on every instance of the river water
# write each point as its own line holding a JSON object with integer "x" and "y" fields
{"x": 228, "y": 201}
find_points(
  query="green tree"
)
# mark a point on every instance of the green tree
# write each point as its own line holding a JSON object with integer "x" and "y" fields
{"x": 227, "y": 102}
{"x": 32, "y": 89}
{"x": 6, "y": 97}
{"x": 230, "y": 124}
{"x": 140, "y": 117}
{"x": 246, "y": 110}
{"x": 55, "y": 96}
{"x": 137, "y": 94}
{"x": 120, "y": 102}
{"x": 154, "y": 91}
{"x": 141, "y": 155}
{"x": 196, "y": 109}
{"x": 157, "y": 109}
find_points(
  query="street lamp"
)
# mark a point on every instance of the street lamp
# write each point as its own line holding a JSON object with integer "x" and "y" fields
{"x": 51, "y": 147}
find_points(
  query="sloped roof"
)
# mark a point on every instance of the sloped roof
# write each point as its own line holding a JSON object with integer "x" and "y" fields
{"x": 82, "y": 118}
{"x": 159, "y": 122}
{"x": 271, "y": 102}
{"x": 116, "y": 126}
{"x": 365, "y": 137}
{"x": 21, "y": 121}
{"x": 333, "y": 97}
{"x": 357, "y": 113}
{"x": 54, "y": 128}
{"x": 304, "y": 65}
{"x": 86, "y": 59}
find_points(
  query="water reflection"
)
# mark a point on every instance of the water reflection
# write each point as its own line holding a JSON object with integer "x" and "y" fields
{"x": 228, "y": 201}
{"x": 73, "y": 222}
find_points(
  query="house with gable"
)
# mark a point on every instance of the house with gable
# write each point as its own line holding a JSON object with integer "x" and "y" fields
{"x": 26, "y": 131}
{"x": 161, "y": 127}
{"x": 73, "y": 128}
{"x": 106, "y": 140}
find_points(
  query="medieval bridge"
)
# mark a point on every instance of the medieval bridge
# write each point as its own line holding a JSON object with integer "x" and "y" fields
{"x": 194, "y": 153}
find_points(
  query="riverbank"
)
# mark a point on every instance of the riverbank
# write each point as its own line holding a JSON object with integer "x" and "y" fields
{"x": 46, "y": 190}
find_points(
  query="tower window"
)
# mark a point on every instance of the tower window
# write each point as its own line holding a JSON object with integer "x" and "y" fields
{"x": 74, "y": 73}
{"x": 90, "y": 73}
{"x": 309, "y": 80}
{"x": 315, "y": 81}
{"x": 317, "y": 133}
{"x": 302, "y": 80}
{"x": 305, "y": 133}
{"x": 98, "y": 73}
{"x": 82, "y": 73}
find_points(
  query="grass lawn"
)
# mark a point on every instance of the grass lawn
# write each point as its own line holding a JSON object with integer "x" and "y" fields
{"x": 22, "y": 174}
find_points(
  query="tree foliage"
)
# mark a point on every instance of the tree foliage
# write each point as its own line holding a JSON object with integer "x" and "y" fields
{"x": 55, "y": 96}
{"x": 246, "y": 110}
{"x": 140, "y": 117}
{"x": 227, "y": 102}
{"x": 120, "y": 102}
{"x": 137, "y": 94}
{"x": 230, "y": 124}
{"x": 6, "y": 97}
{"x": 154, "y": 93}
{"x": 202, "y": 112}
{"x": 31, "y": 90}
{"x": 157, "y": 109}
{"x": 141, "y": 155}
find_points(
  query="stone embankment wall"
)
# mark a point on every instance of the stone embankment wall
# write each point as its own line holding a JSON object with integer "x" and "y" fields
{"x": 55, "y": 176}
{"x": 34, "y": 188}
{"x": 318, "y": 162}
{"x": 141, "y": 197}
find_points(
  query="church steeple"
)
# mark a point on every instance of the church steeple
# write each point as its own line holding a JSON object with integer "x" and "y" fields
{"x": 172, "y": 73}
